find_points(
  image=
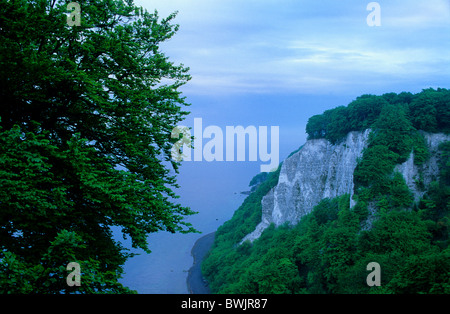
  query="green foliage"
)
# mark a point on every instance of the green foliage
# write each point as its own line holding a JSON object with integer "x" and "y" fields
{"x": 391, "y": 142}
{"x": 427, "y": 111}
{"x": 325, "y": 211}
{"x": 399, "y": 193}
{"x": 364, "y": 111}
{"x": 225, "y": 248}
{"x": 435, "y": 205}
{"x": 430, "y": 111}
{"x": 425, "y": 273}
{"x": 334, "y": 124}
{"x": 445, "y": 162}
{"x": 421, "y": 153}
{"x": 259, "y": 178}
{"x": 393, "y": 130}
{"x": 319, "y": 255}
{"x": 374, "y": 168}
{"x": 49, "y": 275}
{"x": 85, "y": 139}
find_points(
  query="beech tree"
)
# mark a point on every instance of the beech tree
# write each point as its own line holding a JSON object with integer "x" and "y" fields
{"x": 85, "y": 136}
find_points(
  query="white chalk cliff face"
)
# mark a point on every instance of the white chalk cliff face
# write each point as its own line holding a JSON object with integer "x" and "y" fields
{"x": 319, "y": 170}
{"x": 427, "y": 172}
{"x": 323, "y": 170}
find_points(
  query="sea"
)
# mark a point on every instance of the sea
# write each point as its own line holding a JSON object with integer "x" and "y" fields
{"x": 211, "y": 189}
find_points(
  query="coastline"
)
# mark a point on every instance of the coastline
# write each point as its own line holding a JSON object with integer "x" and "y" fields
{"x": 195, "y": 281}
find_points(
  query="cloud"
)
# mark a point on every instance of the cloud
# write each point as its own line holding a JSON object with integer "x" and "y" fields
{"x": 364, "y": 56}
{"x": 293, "y": 46}
{"x": 418, "y": 14}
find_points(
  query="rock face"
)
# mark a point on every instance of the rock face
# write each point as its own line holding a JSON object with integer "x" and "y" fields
{"x": 319, "y": 170}
{"x": 418, "y": 177}
{"x": 323, "y": 170}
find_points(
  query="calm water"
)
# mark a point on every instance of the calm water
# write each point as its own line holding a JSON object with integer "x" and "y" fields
{"x": 165, "y": 269}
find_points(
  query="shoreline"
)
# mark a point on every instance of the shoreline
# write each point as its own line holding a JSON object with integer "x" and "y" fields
{"x": 196, "y": 284}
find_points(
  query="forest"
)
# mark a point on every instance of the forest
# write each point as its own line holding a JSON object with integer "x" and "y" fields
{"x": 328, "y": 250}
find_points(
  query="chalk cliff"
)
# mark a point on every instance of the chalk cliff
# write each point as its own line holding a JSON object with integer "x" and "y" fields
{"x": 323, "y": 170}
{"x": 417, "y": 177}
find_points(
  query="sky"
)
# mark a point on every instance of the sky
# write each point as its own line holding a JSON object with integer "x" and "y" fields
{"x": 277, "y": 63}
{"x": 309, "y": 47}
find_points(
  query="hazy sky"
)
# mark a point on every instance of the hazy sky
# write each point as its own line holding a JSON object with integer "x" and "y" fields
{"x": 278, "y": 62}
{"x": 309, "y": 47}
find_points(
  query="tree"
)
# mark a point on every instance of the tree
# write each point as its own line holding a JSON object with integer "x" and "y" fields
{"x": 373, "y": 170}
{"x": 364, "y": 111}
{"x": 425, "y": 273}
{"x": 394, "y": 131}
{"x": 400, "y": 195}
{"x": 317, "y": 126}
{"x": 86, "y": 119}
{"x": 423, "y": 110}
{"x": 325, "y": 211}
{"x": 338, "y": 127}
